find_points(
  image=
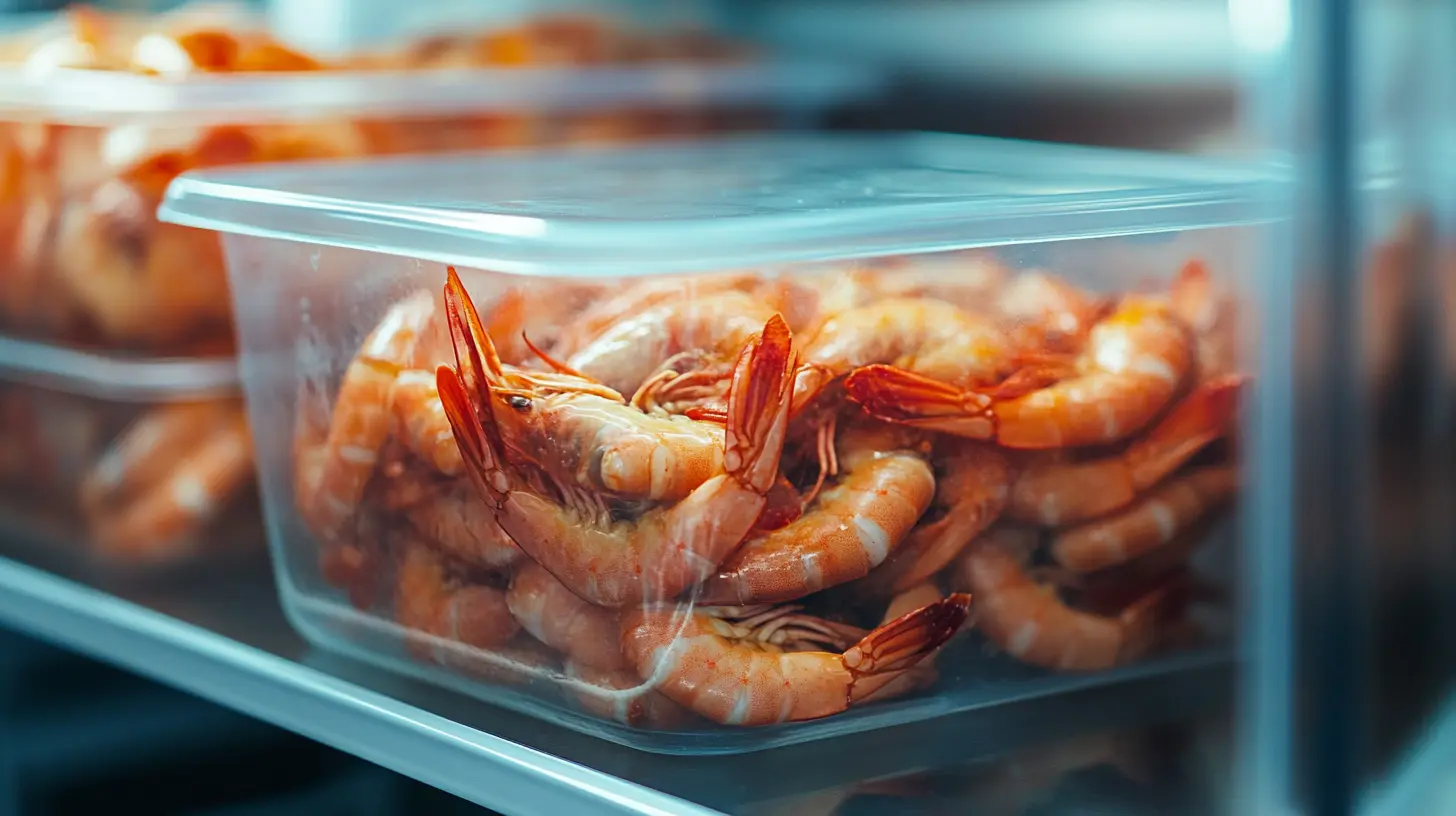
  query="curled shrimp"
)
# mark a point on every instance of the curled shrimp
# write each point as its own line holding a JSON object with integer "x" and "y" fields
{"x": 630, "y": 350}
{"x": 1055, "y": 493}
{"x": 753, "y": 665}
{"x": 587, "y": 634}
{"x": 1154, "y": 520}
{"x": 1031, "y": 623}
{"x": 972, "y": 487}
{"x": 588, "y": 325}
{"x": 1211, "y": 315}
{"x": 330, "y": 480}
{"x": 192, "y": 490}
{"x": 1133, "y": 362}
{"x": 453, "y": 518}
{"x": 580, "y": 432}
{"x": 849, "y": 528}
{"x": 663, "y": 550}
{"x": 618, "y": 694}
{"x": 930, "y": 339}
{"x": 428, "y": 599}
{"x": 420, "y": 421}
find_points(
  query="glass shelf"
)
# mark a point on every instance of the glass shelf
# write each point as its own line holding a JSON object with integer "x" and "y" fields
{"x": 223, "y": 637}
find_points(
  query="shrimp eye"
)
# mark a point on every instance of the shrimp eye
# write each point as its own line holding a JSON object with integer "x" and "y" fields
{"x": 521, "y": 404}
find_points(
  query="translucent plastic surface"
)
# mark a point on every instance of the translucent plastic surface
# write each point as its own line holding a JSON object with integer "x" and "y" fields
{"x": 97, "y": 115}
{"x": 724, "y": 510}
{"x": 159, "y": 474}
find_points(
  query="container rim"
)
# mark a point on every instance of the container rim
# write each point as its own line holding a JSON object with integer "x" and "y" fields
{"x": 105, "y": 98}
{"x": 116, "y": 377}
{"x": 1173, "y": 193}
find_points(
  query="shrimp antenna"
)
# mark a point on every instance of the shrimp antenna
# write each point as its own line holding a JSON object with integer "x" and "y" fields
{"x": 555, "y": 364}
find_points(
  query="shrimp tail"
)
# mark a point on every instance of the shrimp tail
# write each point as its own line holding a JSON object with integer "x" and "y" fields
{"x": 758, "y": 407}
{"x": 907, "y": 398}
{"x": 1198, "y": 420}
{"x": 900, "y": 644}
{"x": 475, "y": 355}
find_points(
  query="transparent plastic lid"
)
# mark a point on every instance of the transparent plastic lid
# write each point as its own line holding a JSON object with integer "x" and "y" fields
{"x": 105, "y": 98}
{"x": 119, "y": 379}
{"x": 718, "y": 203}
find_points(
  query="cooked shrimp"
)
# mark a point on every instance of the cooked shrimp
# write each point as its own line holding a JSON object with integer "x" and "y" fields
{"x": 972, "y": 486}
{"x": 149, "y": 449}
{"x": 1032, "y": 624}
{"x": 618, "y": 694}
{"x": 750, "y": 666}
{"x": 630, "y": 350}
{"x": 631, "y": 302}
{"x": 929, "y": 338}
{"x": 848, "y": 529}
{"x": 195, "y": 490}
{"x": 428, "y": 599}
{"x": 420, "y": 421}
{"x": 665, "y": 549}
{"x": 1153, "y": 521}
{"x": 587, "y": 634}
{"x": 1132, "y": 364}
{"x": 453, "y": 518}
{"x": 1056, "y": 493}
{"x": 1211, "y": 315}
{"x": 1048, "y": 311}
{"x": 580, "y": 432}
{"x": 331, "y": 482}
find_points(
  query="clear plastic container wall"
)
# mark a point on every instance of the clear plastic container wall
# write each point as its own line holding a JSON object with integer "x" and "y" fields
{"x": 711, "y": 449}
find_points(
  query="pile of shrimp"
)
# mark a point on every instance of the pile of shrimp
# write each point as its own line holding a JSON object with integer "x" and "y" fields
{"x": 753, "y": 500}
{"x": 86, "y": 262}
{"x": 148, "y": 488}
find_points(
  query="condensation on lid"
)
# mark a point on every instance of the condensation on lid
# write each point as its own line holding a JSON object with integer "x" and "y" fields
{"x": 116, "y": 378}
{"x": 722, "y": 202}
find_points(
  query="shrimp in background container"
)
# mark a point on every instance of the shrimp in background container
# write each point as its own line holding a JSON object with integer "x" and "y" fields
{"x": 125, "y": 468}
{"x": 100, "y": 110}
{"x": 728, "y": 445}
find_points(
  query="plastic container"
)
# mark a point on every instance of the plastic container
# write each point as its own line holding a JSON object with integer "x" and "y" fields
{"x": 126, "y": 467}
{"x": 622, "y": 261}
{"x": 87, "y": 152}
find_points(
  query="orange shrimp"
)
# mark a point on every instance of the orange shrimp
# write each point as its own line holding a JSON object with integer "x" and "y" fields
{"x": 331, "y": 480}
{"x": 618, "y": 694}
{"x": 848, "y": 529}
{"x": 195, "y": 489}
{"x": 1132, "y": 364}
{"x": 751, "y": 666}
{"x": 630, "y": 350}
{"x": 1153, "y": 521}
{"x": 585, "y": 633}
{"x": 1211, "y": 315}
{"x": 580, "y": 432}
{"x": 149, "y": 449}
{"x": 453, "y": 518}
{"x": 1048, "y": 311}
{"x": 930, "y": 339}
{"x": 972, "y": 486}
{"x": 667, "y": 548}
{"x": 1032, "y": 624}
{"x": 1057, "y": 493}
{"x": 420, "y": 421}
{"x": 631, "y": 302}
{"x": 431, "y": 601}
